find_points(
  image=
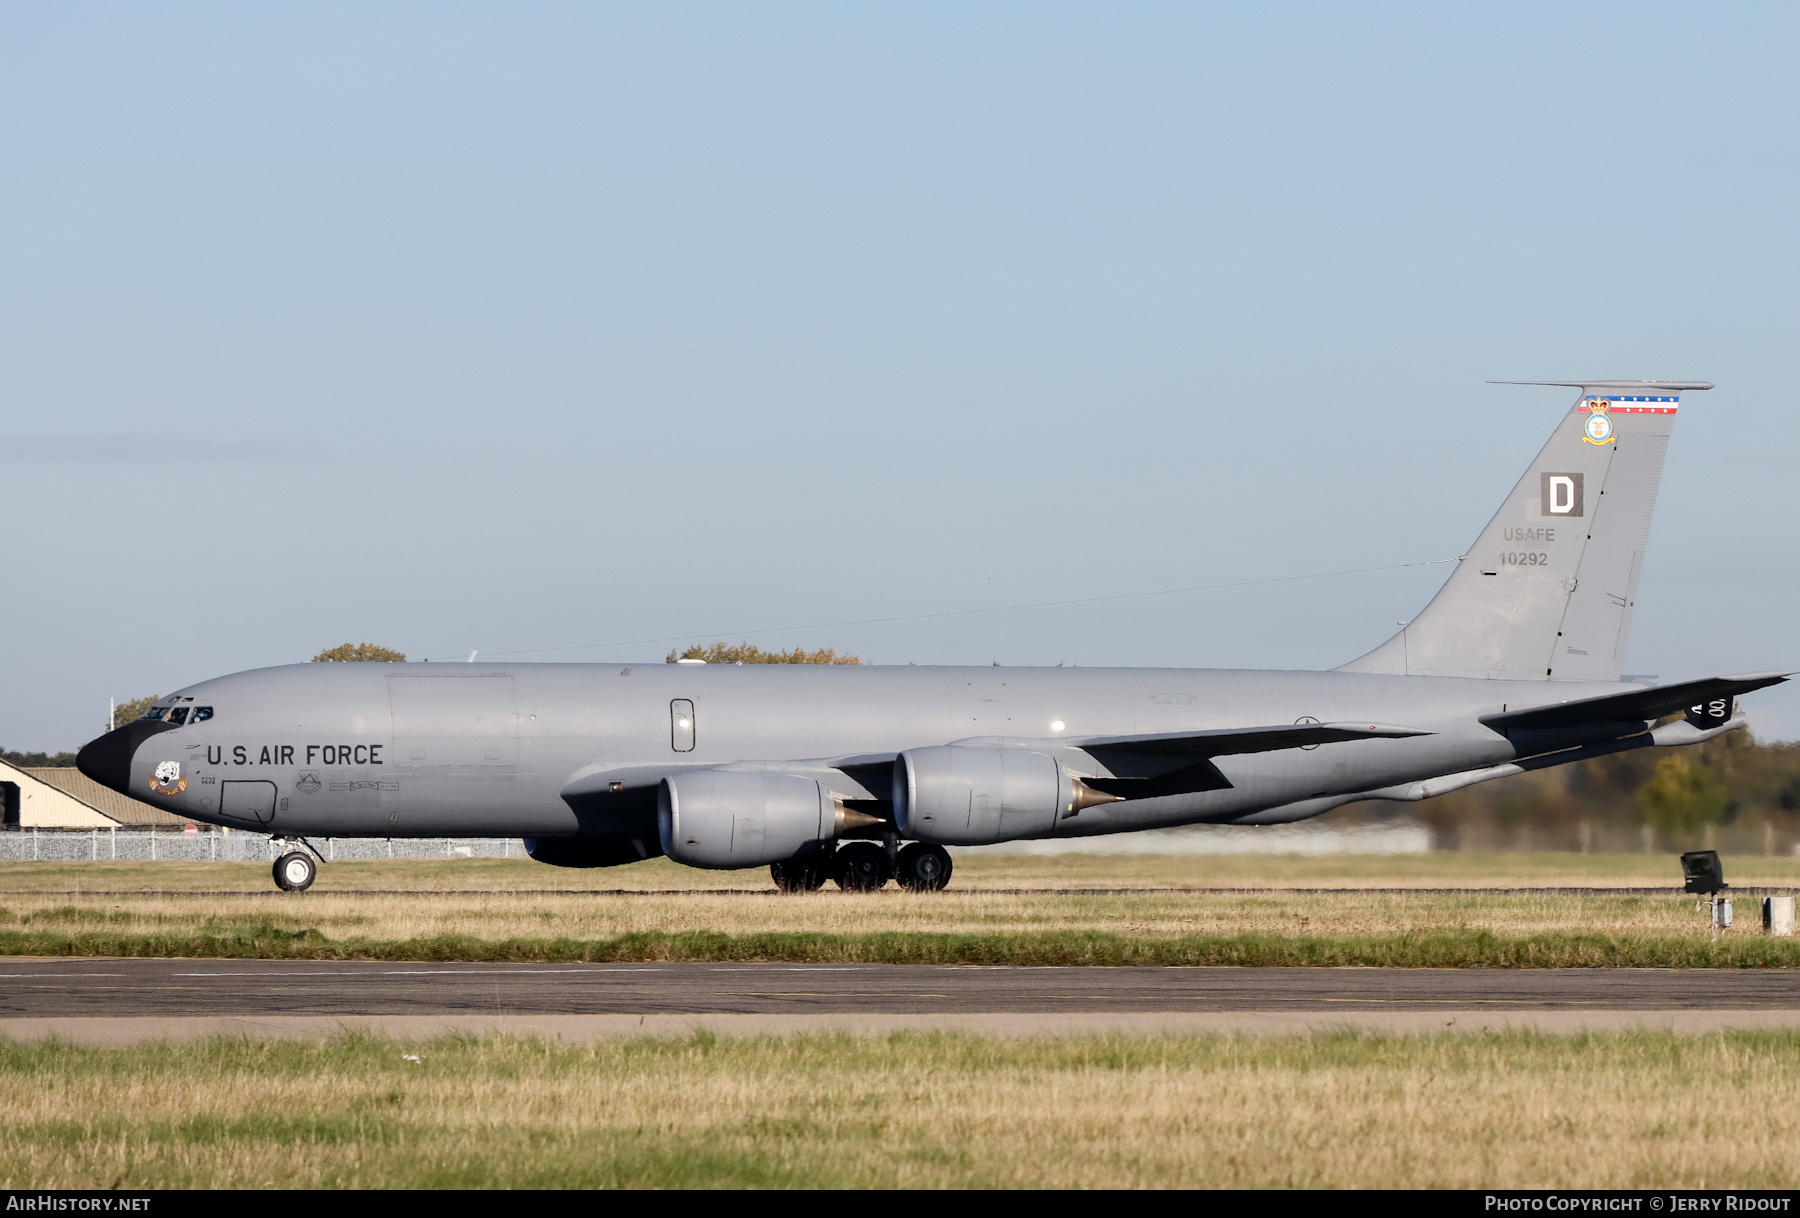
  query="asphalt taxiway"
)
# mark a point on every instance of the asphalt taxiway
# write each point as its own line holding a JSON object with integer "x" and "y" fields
{"x": 117, "y": 1001}
{"x": 114, "y": 987}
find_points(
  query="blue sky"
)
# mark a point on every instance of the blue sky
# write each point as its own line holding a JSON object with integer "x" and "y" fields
{"x": 517, "y": 327}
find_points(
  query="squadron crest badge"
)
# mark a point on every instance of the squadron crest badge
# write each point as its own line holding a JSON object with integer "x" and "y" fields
{"x": 168, "y": 780}
{"x": 1599, "y": 428}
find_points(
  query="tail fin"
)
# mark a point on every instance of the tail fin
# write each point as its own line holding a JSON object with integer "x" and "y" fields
{"x": 1547, "y": 590}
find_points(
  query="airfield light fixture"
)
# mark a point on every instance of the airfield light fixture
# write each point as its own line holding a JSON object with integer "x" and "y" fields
{"x": 1706, "y": 877}
{"x": 1703, "y": 872}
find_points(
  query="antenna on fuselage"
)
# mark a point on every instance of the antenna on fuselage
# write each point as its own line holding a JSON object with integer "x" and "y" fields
{"x": 472, "y": 656}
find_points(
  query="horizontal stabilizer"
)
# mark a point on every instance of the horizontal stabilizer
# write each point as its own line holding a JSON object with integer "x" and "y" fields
{"x": 1633, "y": 704}
{"x": 1225, "y": 741}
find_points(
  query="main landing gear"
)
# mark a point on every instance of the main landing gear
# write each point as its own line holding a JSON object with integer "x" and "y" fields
{"x": 861, "y": 867}
{"x": 295, "y": 870}
{"x": 801, "y": 875}
{"x": 866, "y": 867}
{"x": 923, "y": 868}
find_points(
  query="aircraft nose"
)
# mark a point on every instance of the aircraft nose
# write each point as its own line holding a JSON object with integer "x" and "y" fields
{"x": 107, "y": 759}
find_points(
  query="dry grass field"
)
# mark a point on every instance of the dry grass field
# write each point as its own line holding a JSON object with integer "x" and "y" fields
{"x": 1001, "y": 908}
{"x": 1514, "y": 1110}
{"x": 386, "y": 917}
{"x": 912, "y": 1110}
{"x": 974, "y": 870}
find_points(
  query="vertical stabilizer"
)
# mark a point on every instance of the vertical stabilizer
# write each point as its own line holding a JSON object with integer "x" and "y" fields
{"x": 1547, "y": 590}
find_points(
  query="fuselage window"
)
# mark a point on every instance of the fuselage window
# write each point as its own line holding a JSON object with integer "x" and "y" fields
{"x": 201, "y": 715}
{"x": 178, "y": 715}
{"x": 681, "y": 725}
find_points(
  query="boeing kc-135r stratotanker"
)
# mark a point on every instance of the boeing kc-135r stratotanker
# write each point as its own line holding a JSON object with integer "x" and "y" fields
{"x": 865, "y": 774}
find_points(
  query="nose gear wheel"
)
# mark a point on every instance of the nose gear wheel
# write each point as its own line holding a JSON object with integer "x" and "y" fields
{"x": 295, "y": 871}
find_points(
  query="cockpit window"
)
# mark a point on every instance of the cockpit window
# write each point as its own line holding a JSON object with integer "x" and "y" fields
{"x": 201, "y": 715}
{"x": 156, "y": 712}
{"x": 178, "y": 715}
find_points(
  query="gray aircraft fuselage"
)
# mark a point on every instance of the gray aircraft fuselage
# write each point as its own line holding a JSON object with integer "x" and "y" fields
{"x": 512, "y": 750}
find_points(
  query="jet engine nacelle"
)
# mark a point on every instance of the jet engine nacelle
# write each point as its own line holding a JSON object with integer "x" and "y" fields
{"x": 958, "y": 795}
{"x": 742, "y": 818}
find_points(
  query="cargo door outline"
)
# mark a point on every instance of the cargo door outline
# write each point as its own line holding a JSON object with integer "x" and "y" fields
{"x": 454, "y": 721}
{"x": 252, "y": 800}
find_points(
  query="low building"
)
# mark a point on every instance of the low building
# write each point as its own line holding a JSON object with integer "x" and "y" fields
{"x": 62, "y": 797}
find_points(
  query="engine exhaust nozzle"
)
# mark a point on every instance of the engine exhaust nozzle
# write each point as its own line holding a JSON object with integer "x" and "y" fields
{"x": 1084, "y": 796}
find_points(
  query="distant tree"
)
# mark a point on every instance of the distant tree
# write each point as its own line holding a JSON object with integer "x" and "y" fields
{"x": 747, "y": 653}
{"x": 360, "y": 653}
{"x": 37, "y": 759}
{"x": 1682, "y": 795}
{"x": 125, "y": 712}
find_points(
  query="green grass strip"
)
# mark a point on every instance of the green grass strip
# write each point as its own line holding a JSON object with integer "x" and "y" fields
{"x": 1432, "y": 949}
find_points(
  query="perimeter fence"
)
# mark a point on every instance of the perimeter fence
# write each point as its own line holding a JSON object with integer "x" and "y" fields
{"x": 152, "y": 845}
{"x": 169, "y": 845}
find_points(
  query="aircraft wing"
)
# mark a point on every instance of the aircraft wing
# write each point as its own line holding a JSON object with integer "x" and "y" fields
{"x": 1633, "y": 704}
{"x": 873, "y": 770}
{"x": 1224, "y": 741}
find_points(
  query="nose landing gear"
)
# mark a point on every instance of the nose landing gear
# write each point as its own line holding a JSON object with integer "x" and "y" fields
{"x": 295, "y": 870}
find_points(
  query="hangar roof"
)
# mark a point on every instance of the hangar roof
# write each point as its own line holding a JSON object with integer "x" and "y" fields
{"x": 109, "y": 803}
